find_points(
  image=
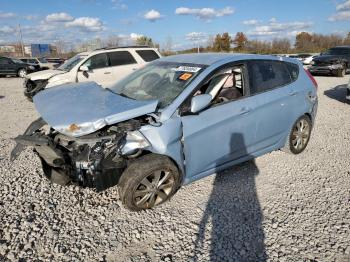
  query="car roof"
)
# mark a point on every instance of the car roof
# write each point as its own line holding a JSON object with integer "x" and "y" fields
{"x": 212, "y": 58}
{"x": 342, "y": 46}
{"x": 111, "y": 49}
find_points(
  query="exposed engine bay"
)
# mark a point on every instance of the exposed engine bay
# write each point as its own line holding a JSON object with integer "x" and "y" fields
{"x": 94, "y": 160}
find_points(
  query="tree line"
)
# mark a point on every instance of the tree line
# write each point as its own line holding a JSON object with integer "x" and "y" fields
{"x": 304, "y": 43}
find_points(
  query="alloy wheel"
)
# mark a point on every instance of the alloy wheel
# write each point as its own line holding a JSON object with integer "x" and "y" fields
{"x": 154, "y": 189}
{"x": 22, "y": 73}
{"x": 301, "y": 134}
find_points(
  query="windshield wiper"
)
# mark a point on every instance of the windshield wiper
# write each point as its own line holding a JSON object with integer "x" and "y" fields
{"x": 120, "y": 94}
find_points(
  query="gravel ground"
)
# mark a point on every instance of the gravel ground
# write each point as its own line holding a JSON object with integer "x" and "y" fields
{"x": 278, "y": 208}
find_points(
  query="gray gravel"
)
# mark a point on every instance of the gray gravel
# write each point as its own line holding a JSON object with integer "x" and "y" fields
{"x": 278, "y": 208}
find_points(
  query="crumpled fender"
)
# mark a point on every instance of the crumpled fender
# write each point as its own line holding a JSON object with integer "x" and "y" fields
{"x": 17, "y": 150}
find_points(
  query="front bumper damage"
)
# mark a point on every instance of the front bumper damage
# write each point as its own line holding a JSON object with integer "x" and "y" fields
{"x": 94, "y": 160}
{"x": 31, "y": 88}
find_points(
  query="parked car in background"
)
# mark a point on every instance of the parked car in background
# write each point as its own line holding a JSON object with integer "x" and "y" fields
{"x": 13, "y": 66}
{"x": 176, "y": 120}
{"x": 40, "y": 61}
{"x": 104, "y": 66}
{"x": 335, "y": 61}
{"x": 57, "y": 61}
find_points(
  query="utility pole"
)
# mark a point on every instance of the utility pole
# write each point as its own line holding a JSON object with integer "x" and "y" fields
{"x": 21, "y": 38}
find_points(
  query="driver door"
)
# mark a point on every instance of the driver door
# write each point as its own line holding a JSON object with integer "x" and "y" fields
{"x": 219, "y": 134}
{"x": 99, "y": 70}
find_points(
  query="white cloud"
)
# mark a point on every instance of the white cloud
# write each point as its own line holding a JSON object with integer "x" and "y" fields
{"x": 340, "y": 16}
{"x": 134, "y": 36}
{"x": 275, "y": 28}
{"x": 7, "y": 15}
{"x": 7, "y": 30}
{"x": 59, "y": 17}
{"x": 205, "y": 13}
{"x": 250, "y": 22}
{"x": 118, "y": 4}
{"x": 89, "y": 24}
{"x": 344, "y": 6}
{"x": 152, "y": 15}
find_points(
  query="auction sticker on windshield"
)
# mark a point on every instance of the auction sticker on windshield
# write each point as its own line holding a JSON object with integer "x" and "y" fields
{"x": 185, "y": 76}
{"x": 191, "y": 69}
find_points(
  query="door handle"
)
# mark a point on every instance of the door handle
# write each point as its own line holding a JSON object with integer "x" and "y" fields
{"x": 134, "y": 69}
{"x": 292, "y": 93}
{"x": 244, "y": 111}
{"x": 107, "y": 73}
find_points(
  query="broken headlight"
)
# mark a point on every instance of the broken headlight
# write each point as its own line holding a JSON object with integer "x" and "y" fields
{"x": 134, "y": 141}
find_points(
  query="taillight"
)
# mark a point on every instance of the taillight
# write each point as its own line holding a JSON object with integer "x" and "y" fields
{"x": 311, "y": 78}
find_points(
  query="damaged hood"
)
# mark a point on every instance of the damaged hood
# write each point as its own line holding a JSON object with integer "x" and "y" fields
{"x": 45, "y": 74}
{"x": 83, "y": 108}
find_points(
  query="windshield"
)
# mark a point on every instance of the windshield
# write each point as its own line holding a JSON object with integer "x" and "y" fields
{"x": 70, "y": 63}
{"x": 42, "y": 60}
{"x": 162, "y": 81}
{"x": 337, "y": 51}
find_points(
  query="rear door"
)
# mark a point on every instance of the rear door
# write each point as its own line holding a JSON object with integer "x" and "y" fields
{"x": 122, "y": 64}
{"x": 99, "y": 70}
{"x": 270, "y": 84}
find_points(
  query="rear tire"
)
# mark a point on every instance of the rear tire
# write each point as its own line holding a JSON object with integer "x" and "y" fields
{"x": 22, "y": 72}
{"x": 299, "y": 136}
{"x": 148, "y": 181}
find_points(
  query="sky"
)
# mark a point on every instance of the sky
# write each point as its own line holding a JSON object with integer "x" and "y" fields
{"x": 183, "y": 23}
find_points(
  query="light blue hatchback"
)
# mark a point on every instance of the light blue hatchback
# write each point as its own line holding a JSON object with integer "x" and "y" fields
{"x": 178, "y": 119}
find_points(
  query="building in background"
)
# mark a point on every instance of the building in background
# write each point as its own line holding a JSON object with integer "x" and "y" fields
{"x": 32, "y": 50}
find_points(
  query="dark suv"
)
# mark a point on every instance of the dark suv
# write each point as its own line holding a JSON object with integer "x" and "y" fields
{"x": 13, "y": 66}
{"x": 335, "y": 61}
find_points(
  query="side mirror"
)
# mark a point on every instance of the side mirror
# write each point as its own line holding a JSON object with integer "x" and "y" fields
{"x": 200, "y": 102}
{"x": 84, "y": 68}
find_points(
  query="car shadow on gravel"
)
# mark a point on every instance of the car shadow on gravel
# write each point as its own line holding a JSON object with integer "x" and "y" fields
{"x": 2, "y": 97}
{"x": 337, "y": 93}
{"x": 233, "y": 215}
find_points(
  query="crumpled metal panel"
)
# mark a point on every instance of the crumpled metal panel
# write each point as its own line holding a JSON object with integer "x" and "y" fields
{"x": 82, "y": 108}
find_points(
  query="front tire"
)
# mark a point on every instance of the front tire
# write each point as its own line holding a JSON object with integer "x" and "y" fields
{"x": 299, "y": 136}
{"x": 341, "y": 72}
{"x": 22, "y": 72}
{"x": 148, "y": 181}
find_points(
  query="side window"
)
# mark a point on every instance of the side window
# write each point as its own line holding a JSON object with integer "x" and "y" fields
{"x": 267, "y": 74}
{"x": 121, "y": 58}
{"x": 147, "y": 55}
{"x": 4, "y": 61}
{"x": 225, "y": 85}
{"x": 293, "y": 70}
{"x": 34, "y": 61}
{"x": 97, "y": 61}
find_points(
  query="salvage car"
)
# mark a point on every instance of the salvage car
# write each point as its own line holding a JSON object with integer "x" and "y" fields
{"x": 104, "y": 66}
{"x": 335, "y": 61}
{"x": 177, "y": 120}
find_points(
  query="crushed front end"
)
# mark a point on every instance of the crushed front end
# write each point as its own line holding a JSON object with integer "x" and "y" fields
{"x": 31, "y": 88}
{"x": 94, "y": 160}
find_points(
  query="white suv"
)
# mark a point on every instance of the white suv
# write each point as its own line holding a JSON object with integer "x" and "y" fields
{"x": 104, "y": 66}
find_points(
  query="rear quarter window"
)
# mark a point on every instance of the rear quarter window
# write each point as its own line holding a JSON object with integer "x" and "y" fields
{"x": 147, "y": 55}
{"x": 121, "y": 58}
{"x": 293, "y": 70}
{"x": 265, "y": 75}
